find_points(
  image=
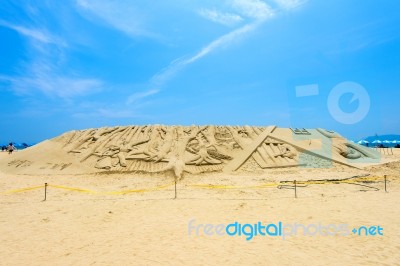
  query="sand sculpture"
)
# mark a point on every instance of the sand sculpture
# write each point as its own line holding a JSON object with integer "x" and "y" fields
{"x": 189, "y": 149}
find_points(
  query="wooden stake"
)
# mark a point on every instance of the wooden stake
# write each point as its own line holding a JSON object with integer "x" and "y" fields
{"x": 175, "y": 190}
{"x": 45, "y": 191}
{"x": 295, "y": 189}
{"x": 385, "y": 184}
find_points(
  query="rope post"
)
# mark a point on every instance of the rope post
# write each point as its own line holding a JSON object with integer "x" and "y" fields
{"x": 175, "y": 190}
{"x": 295, "y": 189}
{"x": 45, "y": 191}
{"x": 385, "y": 183}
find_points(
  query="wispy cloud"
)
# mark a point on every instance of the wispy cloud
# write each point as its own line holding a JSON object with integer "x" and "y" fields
{"x": 41, "y": 73}
{"x": 228, "y": 19}
{"x": 160, "y": 78}
{"x": 52, "y": 85}
{"x": 256, "y": 9}
{"x": 46, "y": 79}
{"x": 35, "y": 34}
{"x": 256, "y": 12}
{"x": 127, "y": 18}
{"x": 133, "y": 98}
{"x": 290, "y": 4}
{"x": 221, "y": 41}
{"x": 45, "y": 73}
{"x": 121, "y": 15}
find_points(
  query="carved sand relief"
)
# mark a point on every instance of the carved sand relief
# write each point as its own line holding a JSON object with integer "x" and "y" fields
{"x": 20, "y": 163}
{"x": 200, "y": 149}
{"x": 56, "y": 166}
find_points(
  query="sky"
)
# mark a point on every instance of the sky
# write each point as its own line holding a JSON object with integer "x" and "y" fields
{"x": 77, "y": 64}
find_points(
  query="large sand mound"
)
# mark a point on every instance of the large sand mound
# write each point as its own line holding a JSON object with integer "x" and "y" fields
{"x": 191, "y": 149}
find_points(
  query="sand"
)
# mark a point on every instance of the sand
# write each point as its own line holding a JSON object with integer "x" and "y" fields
{"x": 151, "y": 228}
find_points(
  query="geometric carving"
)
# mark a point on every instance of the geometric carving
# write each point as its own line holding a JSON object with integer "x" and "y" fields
{"x": 300, "y": 131}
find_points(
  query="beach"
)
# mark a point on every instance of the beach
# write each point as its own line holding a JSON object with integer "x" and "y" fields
{"x": 235, "y": 132}
{"x": 105, "y": 219}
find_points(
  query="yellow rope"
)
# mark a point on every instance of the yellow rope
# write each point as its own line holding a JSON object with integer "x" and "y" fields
{"x": 22, "y": 189}
{"x": 74, "y": 189}
{"x": 139, "y": 190}
{"x": 209, "y": 186}
{"x": 204, "y": 186}
{"x": 91, "y": 191}
{"x": 269, "y": 185}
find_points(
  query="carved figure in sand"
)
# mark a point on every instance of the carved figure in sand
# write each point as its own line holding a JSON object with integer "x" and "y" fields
{"x": 242, "y": 137}
{"x": 91, "y": 138}
{"x": 177, "y": 165}
{"x": 106, "y": 158}
{"x": 148, "y": 146}
{"x": 105, "y": 161}
{"x": 286, "y": 151}
{"x": 341, "y": 147}
{"x": 202, "y": 156}
{"x": 163, "y": 148}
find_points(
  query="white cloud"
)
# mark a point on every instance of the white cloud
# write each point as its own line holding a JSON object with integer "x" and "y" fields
{"x": 228, "y": 19}
{"x": 174, "y": 67}
{"x": 256, "y": 9}
{"x": 42, "y": 72}
{"x": 221, "y": 41}
{"x": 168, "y": 72}
{"x": 60, "y": 86}
{"x": 289, "y": 4}
{"x": 44, "y": 78}
{"x": 133, "y": 98}
{"x": 34, "y": 34}
{"x": 122, "y": 15}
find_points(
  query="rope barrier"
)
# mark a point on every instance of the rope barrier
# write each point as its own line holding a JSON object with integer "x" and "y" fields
{"x": 282, "y": 183}
{"x": 355, "y": 180}
{"x": 22, "y": 190}
{"x": 92, "y": 191}
{"x": 74, "y": 189}
{"x": 209, "y": 186}
{"x": 139, "y": 190}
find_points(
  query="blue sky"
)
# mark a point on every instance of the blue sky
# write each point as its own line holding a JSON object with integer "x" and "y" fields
{"x": 68, "y": 65}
